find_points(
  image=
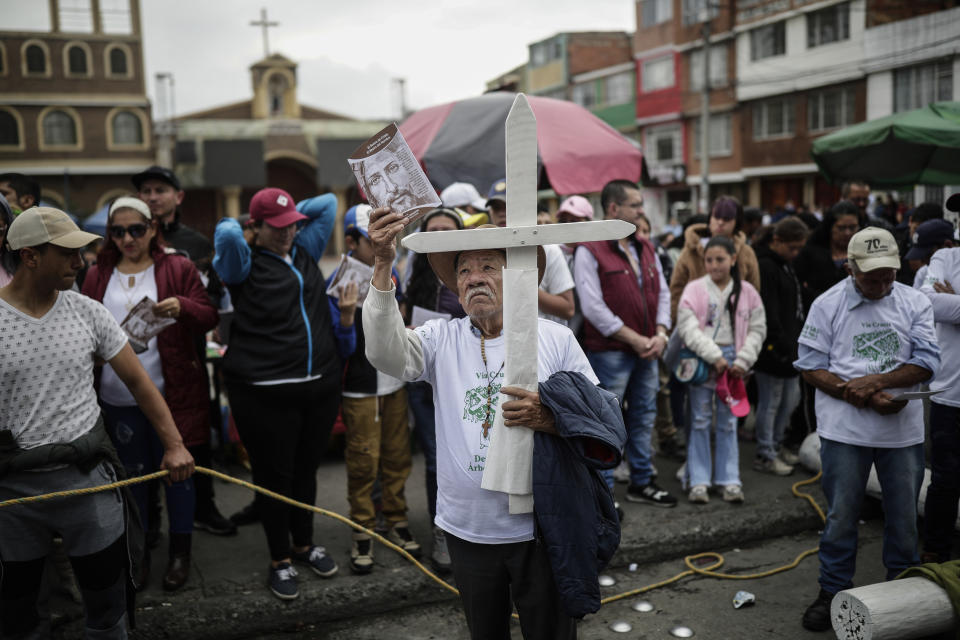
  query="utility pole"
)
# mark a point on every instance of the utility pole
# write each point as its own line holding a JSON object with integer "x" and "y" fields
{"x": 705, "y": 116}
{"x": 402, "y": 88}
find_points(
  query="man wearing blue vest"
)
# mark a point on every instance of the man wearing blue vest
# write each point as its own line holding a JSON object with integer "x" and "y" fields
{"x": 626, "y": 309}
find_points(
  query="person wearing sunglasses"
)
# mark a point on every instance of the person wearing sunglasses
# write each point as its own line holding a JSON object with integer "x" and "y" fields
{"x": 131, "y": 266}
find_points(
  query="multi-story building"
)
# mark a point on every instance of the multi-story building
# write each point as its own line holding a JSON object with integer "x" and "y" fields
{"x": 74, "y": 112}
{"x": 782, "y": 72}
{"x": 808, "y": 67}
{"x": 594, "y": 69}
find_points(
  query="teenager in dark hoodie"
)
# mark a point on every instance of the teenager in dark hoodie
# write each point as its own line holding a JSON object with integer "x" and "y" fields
{"x": 778, "y": 384}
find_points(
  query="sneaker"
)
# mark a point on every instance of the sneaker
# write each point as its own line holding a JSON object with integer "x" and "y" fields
{"x": 789, "y": 457}
{"x": 212, "y": 521}
{"x": 283, "y": 581}
{"x": 440, "y": 556}
{"x": 399, "y": 534}
{"x": 774, "y": 466}
{"x": 361, "y": 555}
{"x": 650, "y": 494}
{"x": 698, "y": 494}
{"x": 622, "y": 473}
{"x": 733, "y": 493}
{"x": 817, "y": 615}
{"x": 317, "y": 559}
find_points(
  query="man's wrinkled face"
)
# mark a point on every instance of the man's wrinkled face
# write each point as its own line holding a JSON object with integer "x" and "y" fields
{"x": 876, "y": 284}
{"x": 480, "y": 282}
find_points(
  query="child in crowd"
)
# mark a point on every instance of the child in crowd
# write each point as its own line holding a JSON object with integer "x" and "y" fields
{"x": 721, "y": 319}
{"x": 374, "y": 411}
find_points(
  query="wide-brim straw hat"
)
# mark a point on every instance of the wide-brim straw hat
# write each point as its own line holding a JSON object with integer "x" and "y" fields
{"x": 444, "y": 263}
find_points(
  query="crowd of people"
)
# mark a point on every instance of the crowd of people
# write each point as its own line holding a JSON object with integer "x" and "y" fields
{"x": 813, "y": 322}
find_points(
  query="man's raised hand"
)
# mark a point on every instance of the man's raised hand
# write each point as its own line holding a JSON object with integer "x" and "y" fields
{"x": 385, "y": 226}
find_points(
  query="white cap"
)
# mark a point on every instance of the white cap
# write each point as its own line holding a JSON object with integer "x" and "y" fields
{"x": 40, "y": 225}
{"x": 461, "y": 194}
{"x": 126, "y": 202}
{"x": 873, "y": 248}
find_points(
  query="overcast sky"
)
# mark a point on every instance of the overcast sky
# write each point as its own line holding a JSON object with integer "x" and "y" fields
{"x": 348, "y": 50}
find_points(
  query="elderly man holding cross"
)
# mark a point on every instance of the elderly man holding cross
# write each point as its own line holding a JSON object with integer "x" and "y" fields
{"x": 495, "y": 552}
{"x": 519, "y": 491}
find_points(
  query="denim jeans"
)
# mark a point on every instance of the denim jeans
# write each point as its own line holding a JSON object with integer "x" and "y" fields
{"x": 420, "y": 397}
{"x": 846, "y": 468}
{"x": 635, "y": 382}
{"x": 776, "y": 399}
{"x": 707, "y": 409}
{"x": 940, "y": 514}
{"x": 140, "y": 450}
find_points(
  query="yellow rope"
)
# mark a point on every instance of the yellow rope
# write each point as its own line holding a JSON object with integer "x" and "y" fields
{"x": 688, "y": 560}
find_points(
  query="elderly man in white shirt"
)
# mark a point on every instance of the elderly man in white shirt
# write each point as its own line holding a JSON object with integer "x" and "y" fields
{"x": 865, "y": 340}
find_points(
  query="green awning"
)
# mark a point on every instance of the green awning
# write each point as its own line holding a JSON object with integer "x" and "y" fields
{"x": 915, "y": 147}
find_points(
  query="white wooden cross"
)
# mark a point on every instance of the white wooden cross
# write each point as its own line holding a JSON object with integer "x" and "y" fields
{"x": 509, "y": 464}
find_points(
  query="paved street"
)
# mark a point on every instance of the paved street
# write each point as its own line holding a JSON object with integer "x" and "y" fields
{"x": 226, "y": 596}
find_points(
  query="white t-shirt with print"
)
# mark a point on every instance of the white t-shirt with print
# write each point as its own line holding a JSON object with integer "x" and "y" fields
{"x": 556, "y": 277}
{"x": 874, "y": 336}
{"x": 118, "y": 302}
{"x": 453, "y": 365}
{"x": 46, "y": 368}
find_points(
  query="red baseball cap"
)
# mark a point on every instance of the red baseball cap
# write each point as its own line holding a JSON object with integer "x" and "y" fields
{"x": 733, "y": 392}
{"x": 275, "y": 207}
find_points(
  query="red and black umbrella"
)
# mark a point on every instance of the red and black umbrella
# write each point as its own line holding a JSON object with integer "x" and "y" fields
{"x": 464, "y": 142}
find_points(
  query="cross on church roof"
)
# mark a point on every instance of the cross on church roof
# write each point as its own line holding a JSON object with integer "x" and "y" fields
{"x": 264, "y": 24}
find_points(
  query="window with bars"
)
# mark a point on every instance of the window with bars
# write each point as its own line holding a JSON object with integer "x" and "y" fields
{"x": 585, "y": 94}
{"x": 831, "y": 24}
{"x": 718, "y": 67}
{"x": 36, "y": 59}
{"x": 720, "y": 133}
{"x": 9, "y": 131}
{"x": 77, "y": 60}
{"x": 663, "y": 145}
{"x": 59, "y": 129}
{"x": 127, "y": 129}
{"x": 831, "y": 109}
{"x": 695, "y": 11}
{"x": 768, "y": 41}
{"x": 655, "y": 11}
{"x": 118, "y": 62}
{"x": 619, "y": 88}
{"x": 658, "y": 74}
{"x": 773, "y": 118}
{"x": 915, "y": 87}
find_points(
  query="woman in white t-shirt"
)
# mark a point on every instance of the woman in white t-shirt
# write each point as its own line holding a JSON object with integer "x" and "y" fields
{"x": 134, "y": 265}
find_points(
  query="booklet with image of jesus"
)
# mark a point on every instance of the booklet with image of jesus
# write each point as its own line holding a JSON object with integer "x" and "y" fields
{"x": 142, "y": 324}
{"x": 390, "y": 175}
{"x": 351, "y": 270}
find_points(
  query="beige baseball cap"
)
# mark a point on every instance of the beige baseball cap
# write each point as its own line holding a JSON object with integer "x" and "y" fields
{"x": 874, "y": 248}
{"x": 40, "y": 225}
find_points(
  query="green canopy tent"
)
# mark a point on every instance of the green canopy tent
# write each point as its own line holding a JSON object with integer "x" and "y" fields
{"x": 915, "y": 147}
